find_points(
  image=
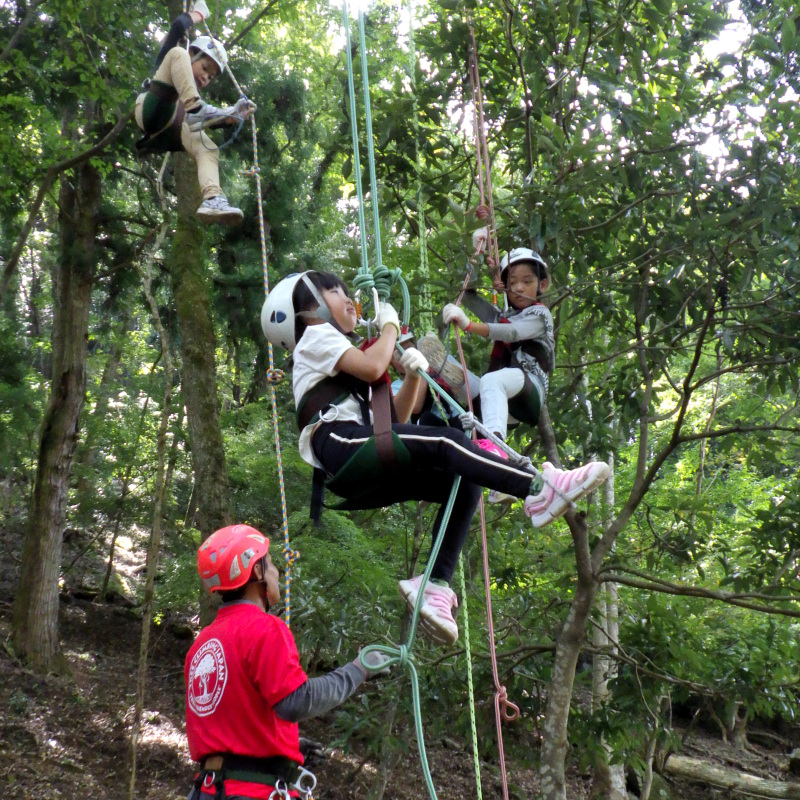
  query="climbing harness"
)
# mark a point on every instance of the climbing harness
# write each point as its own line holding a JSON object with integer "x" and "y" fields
{"x": 304, "y": 786}
{"x": 283, "y": 774}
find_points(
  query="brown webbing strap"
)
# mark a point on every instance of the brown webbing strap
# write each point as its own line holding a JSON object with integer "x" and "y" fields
{"x": 383, "y": 414}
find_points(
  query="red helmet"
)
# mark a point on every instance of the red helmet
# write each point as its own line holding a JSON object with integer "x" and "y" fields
{"x": 225, "y": 560}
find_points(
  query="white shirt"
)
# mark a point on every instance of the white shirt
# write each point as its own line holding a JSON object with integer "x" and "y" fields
{"x": 315, "y": 358}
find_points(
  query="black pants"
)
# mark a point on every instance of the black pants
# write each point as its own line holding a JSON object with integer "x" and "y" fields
{"x": 438, "y": 455}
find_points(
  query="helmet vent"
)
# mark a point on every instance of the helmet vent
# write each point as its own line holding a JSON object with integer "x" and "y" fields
{"x": 280, "y": 316}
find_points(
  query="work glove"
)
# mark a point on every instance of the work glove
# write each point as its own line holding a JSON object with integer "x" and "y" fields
{"x": 412, "y": 360}
{"x": 452, "y": 313}
{"x": 387, "y": 316}
{"x": 480, "y": 238}
{"x": 375, "y": 664}
{"x": 201, "y": 8}
{"x": 467, "y": 420}
{"x": 244, "y": 108}
{"x": 312, "y": 752}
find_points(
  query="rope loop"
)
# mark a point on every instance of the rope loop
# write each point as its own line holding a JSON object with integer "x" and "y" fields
{"x": 275, "y": 376}
{"x": 506, "y": 704}
{"x": 289, "y": 555}
{"x": 364, "y": 280}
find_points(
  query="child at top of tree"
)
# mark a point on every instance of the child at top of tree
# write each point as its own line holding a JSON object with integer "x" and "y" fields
{"x": 245, "y": 688}
{"x": 172, "y": 115}
{"x": 312, "y": 315}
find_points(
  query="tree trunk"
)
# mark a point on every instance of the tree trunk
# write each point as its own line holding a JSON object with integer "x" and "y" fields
{"x": 154, "y": 546}
{"x": 198, "y": 374}
{"x": 559, "y": 692}
{"x": 608, "y": 781}
{"x": 35, "y": 624}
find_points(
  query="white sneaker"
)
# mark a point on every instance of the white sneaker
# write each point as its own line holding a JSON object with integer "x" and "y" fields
{"x": 435, "y": 614}
{"x": 218, "y": 209}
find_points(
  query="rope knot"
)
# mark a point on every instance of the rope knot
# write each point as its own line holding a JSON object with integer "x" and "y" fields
{"x": 402, "y": 654}
{"x": 482, "y": 212}
{"x": 289, "y": 555}
{"x": 251, "y": 171}
{"x": 505, "y": 704}
{"x": 275, "y": 376}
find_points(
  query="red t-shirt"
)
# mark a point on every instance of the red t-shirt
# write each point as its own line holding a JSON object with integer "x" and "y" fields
{"x": 238, "y": 668}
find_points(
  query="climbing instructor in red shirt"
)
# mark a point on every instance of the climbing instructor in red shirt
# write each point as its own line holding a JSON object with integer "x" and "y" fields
{"x": 245, "y": 688}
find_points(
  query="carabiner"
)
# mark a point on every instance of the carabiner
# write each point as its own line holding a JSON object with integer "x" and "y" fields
{"x": 305, "y": 784}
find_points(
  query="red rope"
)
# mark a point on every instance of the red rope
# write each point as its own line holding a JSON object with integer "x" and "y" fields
{"x": 504, "y": 709}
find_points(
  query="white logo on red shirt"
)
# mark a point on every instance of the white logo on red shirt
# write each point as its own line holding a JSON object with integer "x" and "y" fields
{"x": 208, "y": 674}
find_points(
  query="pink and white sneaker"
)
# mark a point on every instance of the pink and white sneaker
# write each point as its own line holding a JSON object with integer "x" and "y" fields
{"x": 435, "y": 614}
{"x": 490, "y": 447}
{"x": 560, "y": 488}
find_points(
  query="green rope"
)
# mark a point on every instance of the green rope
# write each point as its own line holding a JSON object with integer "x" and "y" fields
{"x": 354, "y": 130}
{"x": 373, "y": 180}
{"x": 426, "y": 314}
{"x": 402, "y": 654}
{"x": 381, "y": 278}
{"x": 470, "y": 684}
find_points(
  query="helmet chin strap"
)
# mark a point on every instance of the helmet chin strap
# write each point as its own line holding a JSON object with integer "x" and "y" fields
{"x": 321, "y": 311}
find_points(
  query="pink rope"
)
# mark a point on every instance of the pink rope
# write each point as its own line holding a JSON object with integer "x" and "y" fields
{"x": 504, "y": 709}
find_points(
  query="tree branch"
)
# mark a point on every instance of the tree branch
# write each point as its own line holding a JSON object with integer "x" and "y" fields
{"x": 28, "y": 18}
{"x": 253, "y": 22}
{"x": 47, "y": 181}
{"x": 651, "y": 584}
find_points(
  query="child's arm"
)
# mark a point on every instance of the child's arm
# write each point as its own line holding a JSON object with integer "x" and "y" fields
{"x": 452, "y": 313}
{"x": 411, "y": 396}
{"x": 177, "y": 31}
{"x": 370, "y": 364}
{"x": 522, "y": 327}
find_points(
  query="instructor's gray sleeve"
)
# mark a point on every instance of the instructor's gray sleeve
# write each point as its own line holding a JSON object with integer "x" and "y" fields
{"x": 318, "y": 695}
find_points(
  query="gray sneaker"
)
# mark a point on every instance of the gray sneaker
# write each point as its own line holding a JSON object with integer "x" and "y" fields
{"x": 218, "y": 209}
{"x": 208, "y": 116}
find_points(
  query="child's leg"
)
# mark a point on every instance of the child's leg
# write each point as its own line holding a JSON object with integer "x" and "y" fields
{"x": 176, "y": 70}
{"x": 334, "y": 445}
{"x": 496, "y": 389}
{"x": 431, "y": 448}
{"x": 206, "y": 154}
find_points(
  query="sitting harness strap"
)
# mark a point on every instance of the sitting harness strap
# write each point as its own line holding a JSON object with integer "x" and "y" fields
{"x": 383, "y": 414}
{"x": 329, "y": 392}
{"x": 163, "y": 113}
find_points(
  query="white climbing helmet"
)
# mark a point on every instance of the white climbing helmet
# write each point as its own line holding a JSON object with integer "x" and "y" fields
{"x": 278, "y": 313}
{"x": 213, "y": 48}
{"x": 520, "y": 254}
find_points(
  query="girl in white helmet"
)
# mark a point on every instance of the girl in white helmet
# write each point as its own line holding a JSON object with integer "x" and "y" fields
{"x": 524, "y": 346}
{"x": 312, "y": 315}
{"x": 517, "y": 378}
{"x": 173, "y": 116}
